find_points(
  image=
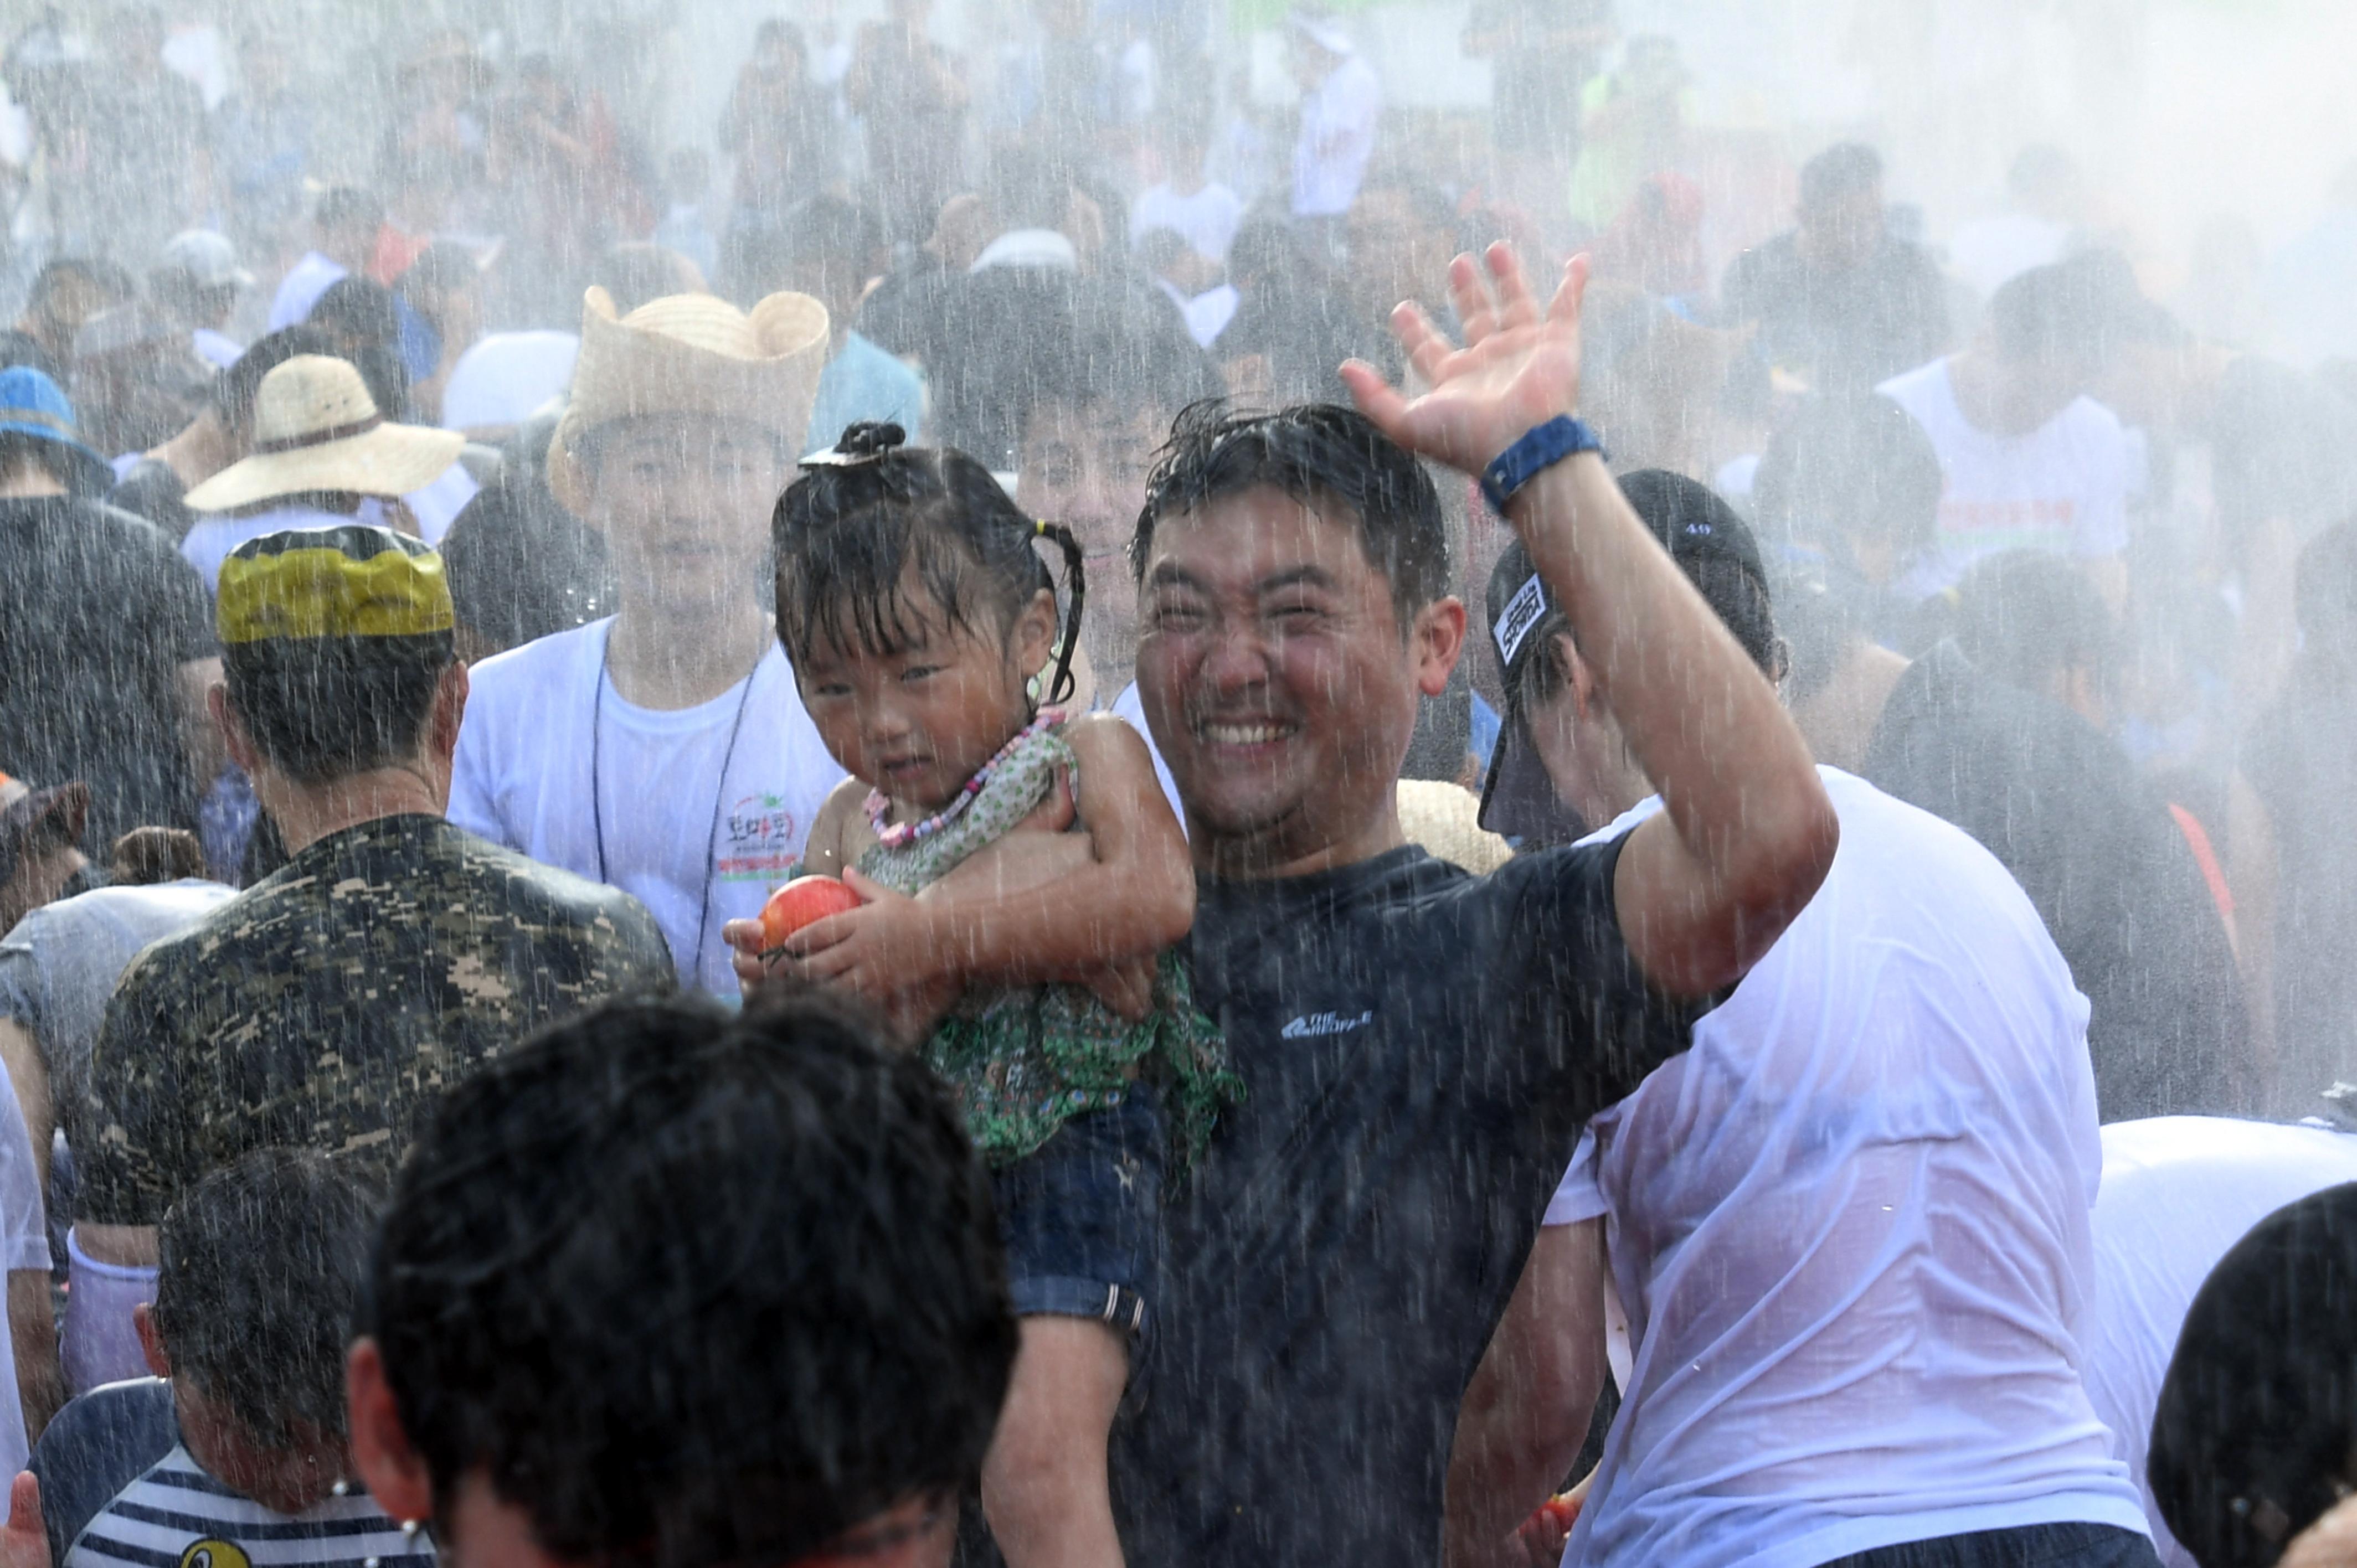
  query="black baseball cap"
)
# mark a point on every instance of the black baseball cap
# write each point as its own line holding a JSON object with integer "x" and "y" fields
{"x": 2254, "y": 1434}
{"x": 1695, "y": 526}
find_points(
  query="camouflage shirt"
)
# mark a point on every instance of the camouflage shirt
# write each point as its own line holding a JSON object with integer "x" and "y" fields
{"x": 329, "y": 1005}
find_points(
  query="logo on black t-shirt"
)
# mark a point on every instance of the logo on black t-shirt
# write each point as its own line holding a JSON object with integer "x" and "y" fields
{"x": 1311, "y": 1025}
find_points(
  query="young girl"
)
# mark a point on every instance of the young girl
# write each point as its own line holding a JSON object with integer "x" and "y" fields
{"x": 922, "y": 625}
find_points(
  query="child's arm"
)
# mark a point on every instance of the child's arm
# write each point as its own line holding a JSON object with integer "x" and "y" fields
{"x": 1133, "y": 898}
{"x": 829, "y": 851}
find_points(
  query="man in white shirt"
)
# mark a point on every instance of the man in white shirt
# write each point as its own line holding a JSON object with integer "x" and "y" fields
{"x": 665, "y": 750}
{"x": 1849, "y": 1228}
{"x": 1204, "y": 210}
{"x": 2177, "y": 1193}
{"x": 1342, "y": 100}
{"x": 2030, "y": 461}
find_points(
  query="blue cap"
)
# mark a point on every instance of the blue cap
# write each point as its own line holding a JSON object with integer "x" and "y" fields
{"x": 32, "y": 405}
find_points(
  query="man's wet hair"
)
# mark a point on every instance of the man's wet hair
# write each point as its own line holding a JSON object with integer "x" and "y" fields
{"x": 1322, "y": 455}
{"x": 1841, "y": 171}
{"x": 693, "y": 1287}
{"x": 348, "y": 206}
{"x": 260, "y": 1267}
{"x": 2079, "y": 310}
{"x": 2255, "y": 1434}
{"x": 1853, "y": 467}
{"x": 324, "y": 708}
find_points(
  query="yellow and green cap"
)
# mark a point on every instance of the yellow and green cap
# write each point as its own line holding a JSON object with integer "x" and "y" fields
{"x": 351, "y": 581}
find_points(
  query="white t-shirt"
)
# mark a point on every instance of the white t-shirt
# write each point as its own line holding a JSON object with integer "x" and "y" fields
{"x": 1131, "y": 710}
{"x": 1338, "y": 136}
{"x": 507, "y": 377}
{"x": 1989, "y": 252}
{"x": 1207, "y": 313}
{"x": 2061, "y": 488}
{"x": 23, "y": 1246}
{"x": 300, "y": 289}
{"x": 1208, "y": 220}
{"x": 696, "y": 847}
{"x": 1851, "y": 1230}
{"x": 2178, "y": 1192}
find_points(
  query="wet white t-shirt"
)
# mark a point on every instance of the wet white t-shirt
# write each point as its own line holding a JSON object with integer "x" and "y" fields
{"x": 1130, "y": 709}
{"x": 2179, "y": 1191}
{"x": 2062, "y": 488}
{"x": 697, "y": 826}
{"x": 1851, "y": 1230}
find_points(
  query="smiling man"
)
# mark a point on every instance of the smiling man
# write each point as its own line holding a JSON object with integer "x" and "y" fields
{"x": 665, "y": 750}
{"x": 1420, "y": 1047}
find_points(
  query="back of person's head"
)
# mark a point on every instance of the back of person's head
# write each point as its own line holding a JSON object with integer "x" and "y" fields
{"x": 2033, "y": 619}
{"x": 260, "y": 1268}
{"x": 1030, "y": 188}
{"x": 349, "y": 206}
{"x": 2075, "y": 312}
{"x": 637, "y": 272}
{"x": 332, "y": 655}
{"x": 2254, "y": 1434}
{"x": 144, "y": 856}
{"x": 2324, "y": 599}
{"x": 689, "y": 1287}
{"x": 829, "y": 244}
{"x": 356, "y": 310}
{"x": 1325, "y": 457}
{"x": 850, "y": 531}
{"x": 83, "y": 284}
{"x": 1855, "y": 468}
{"x": 441, "y": 269}
{"x": 1843, "y": 171}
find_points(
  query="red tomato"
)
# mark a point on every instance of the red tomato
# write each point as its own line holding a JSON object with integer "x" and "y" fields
{"x": 800, "y": 902}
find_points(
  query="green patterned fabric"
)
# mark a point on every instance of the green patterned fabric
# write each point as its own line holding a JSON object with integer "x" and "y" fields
{"x": 1024, "y": 1062}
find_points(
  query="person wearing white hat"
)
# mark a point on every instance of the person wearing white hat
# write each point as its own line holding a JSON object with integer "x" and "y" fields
{"x": 196, "y": 281}
{"x": 320, "y": 448}
{"x": 665, "y": 750}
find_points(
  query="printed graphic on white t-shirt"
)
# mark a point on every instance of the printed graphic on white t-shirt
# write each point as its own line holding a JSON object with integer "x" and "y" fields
{"x": 2061, "y": 488}
{"x": 544, "y": 737}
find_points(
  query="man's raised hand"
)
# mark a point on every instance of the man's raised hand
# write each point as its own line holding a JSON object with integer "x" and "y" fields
{"x": 1519, "y": 368}
{"x": 25, "y": 1541}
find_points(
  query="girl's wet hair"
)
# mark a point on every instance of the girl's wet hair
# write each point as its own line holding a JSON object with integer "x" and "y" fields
{"x": 847, "y": 530}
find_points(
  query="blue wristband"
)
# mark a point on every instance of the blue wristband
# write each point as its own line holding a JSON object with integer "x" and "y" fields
{"x": 1540, "y": 449}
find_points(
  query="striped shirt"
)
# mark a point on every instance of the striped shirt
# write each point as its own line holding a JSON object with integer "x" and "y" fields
{"x": 174, "y": 1515}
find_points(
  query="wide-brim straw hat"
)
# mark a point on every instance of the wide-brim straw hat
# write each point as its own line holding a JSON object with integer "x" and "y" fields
{"x": 315, "y": 428}
{"x": 692, "y": 354}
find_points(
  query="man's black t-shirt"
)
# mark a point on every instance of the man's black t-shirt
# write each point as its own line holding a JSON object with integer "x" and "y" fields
{"x": 1840, "y": 331}
{"x": 2111, "y": 873}
{"x": 97, "y": 613}
{"x": 1420, "y": 1048}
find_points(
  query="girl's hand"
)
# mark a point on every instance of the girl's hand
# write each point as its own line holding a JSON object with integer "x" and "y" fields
{"x": 889, "y": 950}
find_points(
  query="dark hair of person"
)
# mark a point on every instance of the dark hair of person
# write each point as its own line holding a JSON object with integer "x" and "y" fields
{"x": 847, "y": 531}
{"x": 1847, "y": 468}
{"x": 104, "y": 275}
{"x": 20, "y": 449}
{"x": 236, "y": 388}
{"x": 22, "y": 348}
{"x": 636, "y": 271}
{"x": 2251, "y": 1435}
{"x": 2026, "y": 616}
{"x": 323, "y": 708}
{"x": 1097, "y": 348}
{"x": 441, "y": 269}
{"x": 695, "y": 1287}
{"x": 348, "y": 206}
{"x": 260, "y": 1267}
{"x": 144, "y": 856}
{"x": 2078, "y": 311}
{"x": 1324, "y": 456}
{"x": 1842, "y": 171}
{"x": 356, "y": 310}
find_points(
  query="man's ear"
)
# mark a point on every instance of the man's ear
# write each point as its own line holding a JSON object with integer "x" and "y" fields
{"x": 449, "y": 711}
{"x": 389, "y": 1465}
{"x": 1586, "y": 690}
{"x": 241, "y": 749}
{"x": 1437, "y": 643}
{"x": 151, "y": 1343}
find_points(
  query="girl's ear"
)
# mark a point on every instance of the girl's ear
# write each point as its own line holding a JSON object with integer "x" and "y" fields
{"x": 1034, "y": 637}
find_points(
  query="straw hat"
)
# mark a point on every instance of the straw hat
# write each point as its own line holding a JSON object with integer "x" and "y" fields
{"x": 315, "y": 428}
{"x": 689, "y": 353}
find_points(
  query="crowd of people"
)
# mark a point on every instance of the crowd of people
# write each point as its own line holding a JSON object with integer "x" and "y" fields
{"x": 1645, "y": 912}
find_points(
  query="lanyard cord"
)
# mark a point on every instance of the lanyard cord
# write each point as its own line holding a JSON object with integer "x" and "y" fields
{"x": 719, "y": 793}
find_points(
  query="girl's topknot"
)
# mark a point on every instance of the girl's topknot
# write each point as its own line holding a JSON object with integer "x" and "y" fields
{"x": 848, "y": 530}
